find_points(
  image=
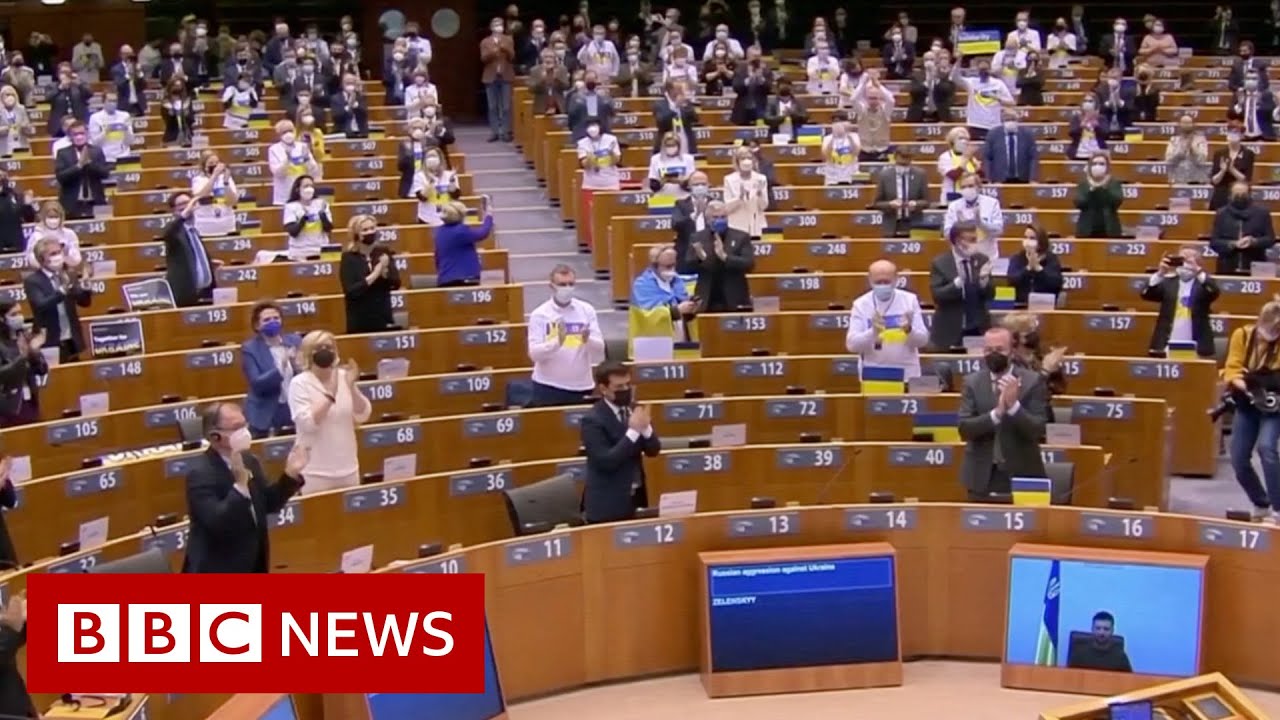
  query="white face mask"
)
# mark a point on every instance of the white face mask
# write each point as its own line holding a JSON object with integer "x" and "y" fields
{"x": 287, "y": 138}
{"x": 969, "y": 194}
{"x": 562, "y": 294}
{"x": 1022, "y": 24}
{"x": 746, "y": 166}
{"x": 429, "y": 112}
{"x": 593, "y": 132}
{"x": 53, "y": 223}
{"x": 962, "y": 145}
{"x": 1098, "y": 170}
{"x": 307, "y": 193}
{"x": 1010, "y": 125}
{"x": 667, "y": 275}
{"x": 1233, "y": 138}
{"x": 240, "y": 440}
{"x": 1185, "y": 273}
{"x": 351, "y": 89}
{"x": 1029, "y": 245}
{"x": 398, "y": 57}
{"x": 431, "y": 162}
{"x": 1120, "y": 28}
{"x": 896, "y": 38}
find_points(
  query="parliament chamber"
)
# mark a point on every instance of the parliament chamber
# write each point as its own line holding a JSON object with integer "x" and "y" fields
{"x": 767, "y": 416}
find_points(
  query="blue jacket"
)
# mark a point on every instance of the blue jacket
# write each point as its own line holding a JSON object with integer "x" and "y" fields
{"x": 456, "y": 256}
{"x": 264, "y": 379}
{"x": 647, "y": 293}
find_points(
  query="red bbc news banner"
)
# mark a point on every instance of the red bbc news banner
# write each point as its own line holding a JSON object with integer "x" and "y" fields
{"x": 392, "y": 633}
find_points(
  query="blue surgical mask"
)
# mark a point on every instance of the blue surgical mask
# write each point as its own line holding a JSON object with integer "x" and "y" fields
{"x": 720, "y": 225}
{"x": 882, "y": 291}
{"x": 271, "y": 328}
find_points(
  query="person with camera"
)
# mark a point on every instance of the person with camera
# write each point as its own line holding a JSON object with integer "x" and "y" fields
{"x": 1186, "y": 295}
{"x": 1252, "y": 375}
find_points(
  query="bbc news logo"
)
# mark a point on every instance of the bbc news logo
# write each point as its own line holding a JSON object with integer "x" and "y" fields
{"x": 256, "y": 633}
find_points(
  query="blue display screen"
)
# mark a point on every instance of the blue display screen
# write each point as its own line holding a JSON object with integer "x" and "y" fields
{"x": 434, "y": 706}
{"x": 1139, "y": 710}
{"x": 767, "y": 616}
{"x": 1116, "y": 616}
{"x": 281, "y": 710}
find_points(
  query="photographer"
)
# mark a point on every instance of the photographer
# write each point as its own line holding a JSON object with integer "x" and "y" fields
{"x": 1186, "y": 295}
{"x": 1252, "y": 374}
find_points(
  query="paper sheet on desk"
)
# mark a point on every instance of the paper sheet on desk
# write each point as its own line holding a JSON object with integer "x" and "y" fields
{"x": 94, "y": 532}
{"x": 357, "y": 560}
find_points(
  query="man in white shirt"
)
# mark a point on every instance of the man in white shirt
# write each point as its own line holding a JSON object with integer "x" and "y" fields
{"x": 111, "y": 129}
{"x": 987, "y": 94}
{"x": 1024, "y": 37}
{"x": 600, "y": 55}
{"x": 1186, "y": 294}
{"x": 822, "y": 70}
{"x": 886, "y": 326}
{"x": 983, "y": 211}
{"x": 722, "y": 35}
{"x": 565, "y": 342}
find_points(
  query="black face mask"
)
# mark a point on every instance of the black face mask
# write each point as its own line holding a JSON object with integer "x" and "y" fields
{"x": 369, "y": 238}
{"x": 622, "y": 397}
{"x": 1240, "y": 201}
{"x": 324, "y": 358}
{"x": 997, "y": 362}
{"x": 176, "y": 56}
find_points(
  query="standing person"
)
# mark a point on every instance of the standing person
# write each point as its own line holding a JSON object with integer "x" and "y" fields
{"x": 269, "y": 360}
{"x": 434, "y": 185}
{"x": 689, "y": 216}
{"x": 598, "y": 155}
{"x": 15, "y": 125}
{"x": 55, "y": 296}
{"x": 52, "y": 224}
{"x": 229, "y": 499}
{"x": 1253, "y": 366}
{"x": 498, "y": 54}
{"x": 326, "y": 407}
{"x": 982, "y": 211}
{"x": 722, "y": 256}
{"x": 900, "y": 195}
{"x": 22, "y": 366}
{"x": 1001, "y": 420}
{"x": 239, "y": 101}
{"x": 565, "y": 342}
{"x": 216, "y": 212}
{"x": 307, "y": 220}
{"x": 1035, "y": 268}
{"x": 80, "y": 168}
{"x": 456, "y": 256}
{"x": 886, "y": 324}
{"x": 17, "y": 206}
{"x": 617, "y": 435}
{"x": 1098, "y": 198}
{"x": 87, "y": 60}
{"x": 288, "y": 160}
{"x": 675, "y": 115}
{"x": 840, "y": 155}
{"x": 14, "y": 700}
{"x": 1231, "y": 164}
{"x": 1186, "y": 156}
{"x": 987, "y": 95}
{"x": 188, "y": 268}
{"x": 1186, "y": 295}
{"x": 960, "y": 281}
{"x": 369, "y": 275}
{"x": 111, "y": 129}
{"x": 746, "y": 195}
{"x": 1242, "y": 232}
{"x": 1009, "y": 154}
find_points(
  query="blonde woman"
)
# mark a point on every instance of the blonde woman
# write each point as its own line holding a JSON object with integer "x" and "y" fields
{"x": 288, "y": 160}
{"x": 746, "y": 195}
{"x": 1253, "y": 351}
{"x": 1186, "y": 156}
{"x": 15, "y": 126}
{"x": 421, "y": 93}
{"x": 218, "y": 215}
{"x": 326, "y": 407}
{"x": 51, "y": 224}
{"x": 960, "y": 158}
{"x": 433, "y": 186}
{"x": 840, "y": 154}
{"x": 369, "y": 275}
{"x": 669, "y": 168}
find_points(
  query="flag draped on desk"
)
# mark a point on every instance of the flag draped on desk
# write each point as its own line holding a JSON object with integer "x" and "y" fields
{"x": 809, "y": 135}
{"x": 943, "y": 426}
{"x": 883, "y": 380}
{"x": 1047, "y": 645}
{"x": 1181, "y": 350}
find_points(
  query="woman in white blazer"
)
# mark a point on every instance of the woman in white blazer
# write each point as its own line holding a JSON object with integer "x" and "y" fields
{"x": 327, "y": 407}
{"x": 746, "y": 195}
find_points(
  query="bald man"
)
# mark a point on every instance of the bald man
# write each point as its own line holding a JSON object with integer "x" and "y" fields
{"x": 689, "y": 217}
{"x": 886, "y": 326}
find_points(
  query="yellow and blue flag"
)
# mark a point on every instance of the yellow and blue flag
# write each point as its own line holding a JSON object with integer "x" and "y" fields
{"x": 1032, "y": 492}
{"x": 1005, "y": 297}
{"x": 943, "y": 426}
{"x": 1181, "y": 350}
{"x": 809, "y": 135}
{"x": 661, "y": 203}
{"x": 1047, "y": 644}
{"x": 771, "y": 234}
{"x": 883, "y": 380}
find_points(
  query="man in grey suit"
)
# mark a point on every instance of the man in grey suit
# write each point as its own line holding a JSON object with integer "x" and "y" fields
{"x": 900, "y": 195}
{"x": 1001, "y": 420}
{"x": 1009, "y": 154}
{"x": 960, "y": 281}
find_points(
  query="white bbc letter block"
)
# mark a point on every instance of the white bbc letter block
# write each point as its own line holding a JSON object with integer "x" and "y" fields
{"x": 178, "y": 626}
{"x": 236, "y": 627}
{"x": 108, "y": 621}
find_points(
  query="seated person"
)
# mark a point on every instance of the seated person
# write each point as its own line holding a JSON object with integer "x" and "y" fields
{"x": 660, "y": 286}
{"x": 1035, "y": 268}
{"x": 1102, "y": 649}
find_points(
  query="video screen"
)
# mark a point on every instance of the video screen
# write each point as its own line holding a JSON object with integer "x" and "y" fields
{"x": 1095, "y": 615}
{"x": 281, "y": 710}
{"x": 430, "y": 706}
{"x": 767, "y": 616}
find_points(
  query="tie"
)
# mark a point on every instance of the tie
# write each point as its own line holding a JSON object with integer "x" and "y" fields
{"x": 200, "y": 260}
{"x": 997, "y": 452}
{"x": 902, "y": 193}
{"x": 1013, "y": 156}
{"x": 1120, "y": 52}
{"x": 1250, "y": 117}
{"x": 968, "y": 273}
{"x": 624, "y": 415}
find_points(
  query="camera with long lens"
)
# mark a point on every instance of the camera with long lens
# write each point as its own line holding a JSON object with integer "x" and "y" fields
{"x": 1262, "y": 393}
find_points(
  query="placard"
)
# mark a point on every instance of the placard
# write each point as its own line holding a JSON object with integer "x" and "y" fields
{"x": 678, "y": 504}
{"x": 116, "y": 337}
{"x": 149, "y": 294}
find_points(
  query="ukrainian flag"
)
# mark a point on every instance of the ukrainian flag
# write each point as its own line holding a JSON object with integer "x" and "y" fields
{"x": 1180, "y": 350}
{"x": 661, "y": 203}
{"x": 809, "y": 135}
{"x": 943, "y": 426}
{"x": 1005, "y": 296}
{"x": 895, "y": 330}
{"x": 771, "y": 234}
{"x": 472, "y": 217}
{"x": 1031, "y": 492}
{"x": 882, "y": 380}
{"x": 1047, "y": 644}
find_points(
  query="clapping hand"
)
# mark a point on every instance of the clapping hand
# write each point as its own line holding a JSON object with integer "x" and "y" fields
{"x": 299, "y": 455}
{"x": 384, "y": 264}
{"x": 36, "y": 341}
{"x": 908, "y": 318}
{"x": 561, "y": 333}
{"x": 1244, "y": 242}
{"x": 352, "y": 371}
{"x": 877, "y": 323}
{"x": 984, "y": 274}
{"x": 15, "y": 613}
{"x": 688, "y": 307}
{"x": 719, "y": 248}
{"x": 6, "y": 468}
{"x": 700, "y": 250}
{"x": 239, "y": 471}
{"x": 639, "y": 419}
{"x": 1053, "y": 360}
{"x": 1010, "y": 389}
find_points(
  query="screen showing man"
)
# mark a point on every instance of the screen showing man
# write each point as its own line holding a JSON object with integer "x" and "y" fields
{"x": 1102, "y": 650}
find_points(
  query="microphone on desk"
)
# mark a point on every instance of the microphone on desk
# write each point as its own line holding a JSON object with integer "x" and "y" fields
{"x": 825, "y": 490}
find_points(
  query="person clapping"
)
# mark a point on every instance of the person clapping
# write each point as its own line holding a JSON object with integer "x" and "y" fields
{"x": 55, "y": 295}
{"x": 22, "y": 365}
{"x": 327, "y": 406}
{"x": 369, "y": 275}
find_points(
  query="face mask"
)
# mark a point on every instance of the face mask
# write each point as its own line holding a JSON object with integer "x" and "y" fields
{"x": 287, "y": 138}
{"x": 308, "y": 69}
{"x": 666, "y": 275}
{"x": 720, "y": 225}
{"x": 1098, "y": 170}
{"x": 1157, "y": 29}
{"x": 429, "y": 112}
{"x": 176, "y": 55}
{"x": 271, "y": 328}
{"x": 721, "y": 53}
{"x": 1010, "y": 125}
{"x": 244, "y": 87}
{"x": 53, "y": 223}
{"x": 416, "y": 134}
{"x": 622, "y": 397}
{"x": 591, "y": 85}
{"x": 1119, "y": 28}
{"x": 432, "y": 162}
{"x": 633, "y": 59}
{"x": 398, "y": 57}
{"x": 1250, "y": 84}
{"x": 16, "y": 322}
{"x": 55, "y": 262}
{"x": 1185, "y": 274}
{"x": 698, "y": 190}
{"x": 369, "y": 238}
{"x": 896, "y": 38}
{"x": 882, "y": 291}
{"x": 930, "y": 65}
{"x": 1022, "y": 24}
{"x": 562, "y": 294}
{"x": 599, "y": 38}
{"x": 1088, "y": 107}
{"x": 746, "y": 165}
{"x": 324, "y": 358}
{"x": 969, "y": 194}
{"x": 1240, "y": 201}
{"x": 307, "y": 193}
{"x": 984, "y": 73}
{"x": 110, "y": 106}
{"x": 496, "y": 29}
{"x": 351, "y": 89}
{"x": 997, "y": 362}
{"x": 240, "y": 440}
{"x": 593, "y": 132}
{"x": 1233, "y": 138}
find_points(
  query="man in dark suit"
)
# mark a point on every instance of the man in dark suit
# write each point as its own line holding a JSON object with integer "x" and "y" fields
{"x": 1001, "y": 420}
{"x": 69, "y": 99}
{"x": 350, "y": 110}
{"x": 80, "y": 168}
{"x": 932, "y": 92}
{"x": 900, "y": 194}
{"x": 130, "y": 82}
{"x": 617, "y": 435}
{"x": 176, "y": 64}
{"x": 899, "y": 54}
{"x": 1242, "y": 232}
{"x": 960, "y": 280}
{"x": 1117, "y": 48}
{"x": 1186, "y": 295}
{"x": 674, "y": 113}
{"x": 188, "y": 268}
{"x": 228, "y": 498}
{"x": 14, "y": 700}
{"x": 54, "y": 293}
{"x": 1009, "y": 154}
{"x": 590, "y": 103}
{"x": 688, "y": 217}
{"x": 722, "y": 257}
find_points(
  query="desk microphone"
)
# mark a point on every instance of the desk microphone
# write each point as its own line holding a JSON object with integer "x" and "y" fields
{"x": 826, "y": 487}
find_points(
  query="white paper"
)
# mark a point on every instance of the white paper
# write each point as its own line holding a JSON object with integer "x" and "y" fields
{"x": 52, "y": 355}
{"x": 1061, "y": 434}
{"x": 93, "y": 532}
{"x": 357, "y": 560}
{"x": 1262, "y": 270}
{"x": 400, "y": 467}
{"x": 729, "y": 435}
{"x": 102, "y": 212}
{"x": 677, "y": 504}
{"x": 973, "y": 345}
{"x": 104, "y": 268}
{"x": 95, "y": 403}
{"x": 767, "y": 304}
{"x": 1179, "y": 204}
{"x": 924, "y": 384}
{"x": 493, "y": 277}
{"x": 393, "y": 368}
{"x": 781, "y": 138}
{"x": 1000, "y": 267}
{"x": 1041, "y": 302}
{"x": 19, "y": 469}
{"x": 652, "y": 348}
{"x": 1147, "y": 232}
{"x": 226, "y": 296}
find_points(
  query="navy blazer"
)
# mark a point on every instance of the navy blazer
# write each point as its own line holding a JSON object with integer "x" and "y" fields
{"x": 997, "y": 164}
{"x": 614, "y": 464}
{"x": 228, "y": 530}
{"x": 264, "y": 379}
